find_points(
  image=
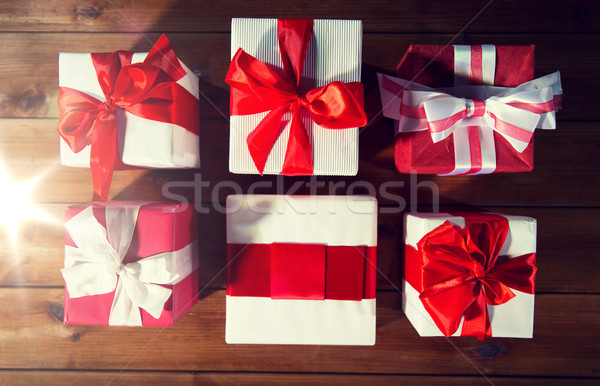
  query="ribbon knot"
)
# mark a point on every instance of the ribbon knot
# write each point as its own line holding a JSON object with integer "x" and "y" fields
{"x": 110, "y": 106}
{"x": 142, "y": 88}
{"x": 475, "y": 107}
{"x": 114, "y": 267}
{"x": 256, "y": 88}
{"x": 127, "y": 269}
{"x": 303, "y": 101}
{"x": 480, "y": 272}
{"x": 462, "y": 274}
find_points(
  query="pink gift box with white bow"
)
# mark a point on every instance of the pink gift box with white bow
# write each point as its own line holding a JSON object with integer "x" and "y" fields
{"x": 130, "y": 263}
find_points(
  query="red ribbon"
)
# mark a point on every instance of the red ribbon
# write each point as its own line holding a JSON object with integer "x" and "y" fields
{"x": 461, "y": 272}
{"x": 147, "y": 89}
{"x": 301, "y": 271}
{"x": 256, "y": 88}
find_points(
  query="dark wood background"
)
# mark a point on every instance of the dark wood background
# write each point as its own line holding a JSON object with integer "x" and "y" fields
{"x": 562, "y": 193}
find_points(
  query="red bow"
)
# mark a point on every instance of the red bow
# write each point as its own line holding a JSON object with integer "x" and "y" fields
{"x": 256, "y": 88}
{"x": 462, "y": 273}
{"x": 144, "y": 89}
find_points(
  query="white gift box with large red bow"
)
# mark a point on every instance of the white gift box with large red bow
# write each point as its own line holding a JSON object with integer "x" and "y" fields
{"x": 515, "y": 259}
{"x": 334, "y": 53}
{"x": 141, "y": 142}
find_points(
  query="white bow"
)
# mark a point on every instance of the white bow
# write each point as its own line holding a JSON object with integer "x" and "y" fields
{"x": 511, "y": 114}
{"x": 95, "y": 266}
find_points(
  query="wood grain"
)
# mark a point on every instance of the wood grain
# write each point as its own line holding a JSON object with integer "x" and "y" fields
{"x": 380, "y": 15}
{"x": 116, "y": 378}
{"x": 33, "y": 337}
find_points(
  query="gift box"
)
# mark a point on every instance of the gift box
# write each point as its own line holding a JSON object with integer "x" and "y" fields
{"x": 296, "y": 97}
{"x": 301, "y": 269}
{"x": 470, "y": 274}
{"x": 130, "y": 263}
{"x": 480, "y": 117}
{"x": 124, "y": 110}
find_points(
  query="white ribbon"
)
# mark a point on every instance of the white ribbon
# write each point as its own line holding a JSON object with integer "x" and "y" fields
{"x": 441, "y": 106}
{"x": 95, "y": 266}
{"x": 462, "y": 64}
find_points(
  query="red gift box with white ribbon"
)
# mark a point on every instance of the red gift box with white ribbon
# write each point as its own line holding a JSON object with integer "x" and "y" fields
{"x": 130, "y": 263}
{"x": 301, "y": 269}
{"x": 123, "y": 110}
{"x": 470, "y": 274}
{"x": 468, "y": 109}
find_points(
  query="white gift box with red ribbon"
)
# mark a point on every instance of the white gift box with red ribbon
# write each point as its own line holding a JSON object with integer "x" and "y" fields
{"x": 278, "y": 293}
{"x": 142, "y": 142}
{"x": 514, "y": 318}
{"x": 334, "y": 54}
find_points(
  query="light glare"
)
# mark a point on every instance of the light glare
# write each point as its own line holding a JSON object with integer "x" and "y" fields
{"x": 16, "y": 206}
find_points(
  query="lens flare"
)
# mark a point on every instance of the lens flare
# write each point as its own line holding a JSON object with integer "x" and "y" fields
{"x": 16, "y": 206}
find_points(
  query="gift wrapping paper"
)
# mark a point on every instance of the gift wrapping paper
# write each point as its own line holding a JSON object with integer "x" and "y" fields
{"x": 514, "y": 318}
{"x": 334, "y": 54}
{"x": 301, "y": 269}
{"x": 130, "y": 263}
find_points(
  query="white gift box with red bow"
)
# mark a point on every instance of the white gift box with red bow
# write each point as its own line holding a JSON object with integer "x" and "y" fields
{"x": 514, "y": 318}
{"x": 141, "y": 142}
{"x": 334, "y": 54}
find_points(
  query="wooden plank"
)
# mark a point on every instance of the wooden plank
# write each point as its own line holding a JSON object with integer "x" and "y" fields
{"x": 33, "y": 337}
{"x": 566, "y": 166}
{"x": 567, "y": 258}
{"x": 380, "y": 16}
{"x": 30, "y": 77}
{"x": 59, "y": 378}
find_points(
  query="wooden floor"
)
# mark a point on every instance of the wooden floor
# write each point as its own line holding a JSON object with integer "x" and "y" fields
{"x": 562, "y": 193}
